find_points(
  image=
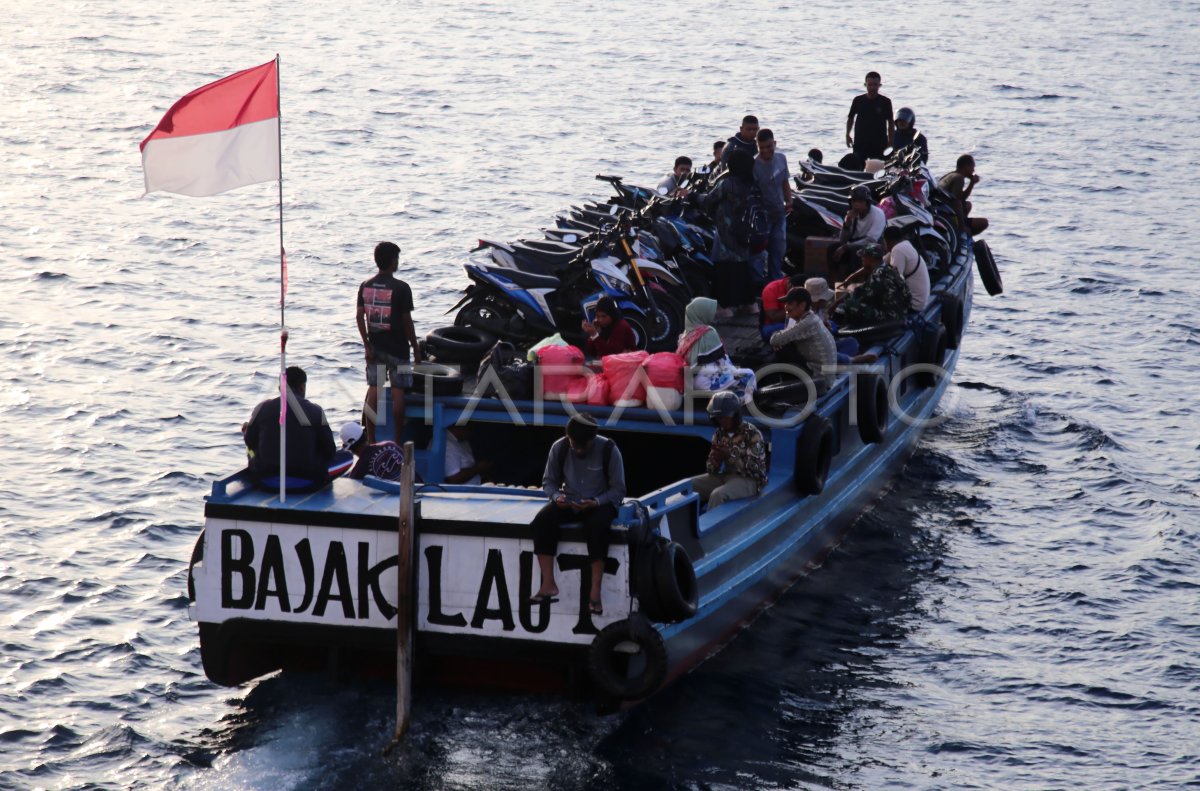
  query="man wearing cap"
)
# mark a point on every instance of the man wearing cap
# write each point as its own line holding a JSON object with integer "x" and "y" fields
{"x": 863, "y": 225}
{"x": 737, "y": 460}
{"x": 585, "y": 482}
{"x": 380, "y": 459}
{"x": 881, "y": 294}
{"x": 384, "y": 319}
{"x": 824, "y": 300}
{"x": 310, "y": 446}
{"x": 806, "y": 340}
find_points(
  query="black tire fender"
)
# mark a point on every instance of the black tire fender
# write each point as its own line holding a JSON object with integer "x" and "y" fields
{"x": 628, "y": 645}
{"x": 459, "y": 344}
{"x": 814, "y": 453}
{"x": 644, "y": 586}
{"x": 874, "y": 333}
{"x": 953, "y": 317}
{"x": 989, "y": 274}
{"x": 675, "y": 583}
{"x": 446, "y": 379}
{"x": 872, "y": 408}
{"x": 932, "y": 352}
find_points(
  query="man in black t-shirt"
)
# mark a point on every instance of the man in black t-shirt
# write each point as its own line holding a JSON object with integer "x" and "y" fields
{"x": 871, "y": 120}
{"x": 310, "y": 445}
{"x": 384, "y": 319}
{"x": 745, "y": 140}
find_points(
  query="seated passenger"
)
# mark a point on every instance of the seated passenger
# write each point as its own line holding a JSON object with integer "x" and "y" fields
{"x": 670, "y": 186}
{"x": 806, "y": 340}
{"x": 863, "y": 225}
{"x": 310, "y": 447}
{"x": 908, "y": 135}
{"x": 585, "y": 482}
{"x": 959, "y": 185}
{"x": 381, "y": 459}
{"x": 608, "y": 333}
{"x": 772, "y": 305}
{"x": 701, "y": 346}
{"x": 461, "y": 466}
{"x": 712, "y": 167}
{"x": 881, "y": 294}
{"x": 737, "y": 461}
{"x": 905, "y": 259}
{"x": 824, "y": 300}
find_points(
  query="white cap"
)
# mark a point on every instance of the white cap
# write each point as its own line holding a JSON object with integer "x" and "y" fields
{"x": 350, "y": 434}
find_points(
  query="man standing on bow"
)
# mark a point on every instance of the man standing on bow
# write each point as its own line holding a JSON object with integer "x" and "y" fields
{"x": 384, "y": 318}
{"x": 871, "y": 120}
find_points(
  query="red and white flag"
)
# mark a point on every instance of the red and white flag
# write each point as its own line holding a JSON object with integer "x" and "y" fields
{"x": 218, "y": 137}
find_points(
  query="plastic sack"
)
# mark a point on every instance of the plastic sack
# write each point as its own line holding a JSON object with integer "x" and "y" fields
{"x": 577, "y": 390}
{"x": 553, "y": 340}
{"x": 622, "y": 371}
{"x": 664, "y": 398}
{"x": 597, "y": 390}
{"x": 888, "y": 207}
{"x": 665, "y": 370}
{"x": 560, "y": 366}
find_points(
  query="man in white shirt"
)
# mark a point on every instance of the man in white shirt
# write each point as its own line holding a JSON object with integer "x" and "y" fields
{"x": 905, "y": 259}
{"x": 863, "y": 225}
{"x": 670, "y": 186}
{"x": 461, "y": 466}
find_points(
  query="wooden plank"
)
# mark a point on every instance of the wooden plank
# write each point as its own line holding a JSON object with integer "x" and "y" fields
{"x": 405, "y": 601}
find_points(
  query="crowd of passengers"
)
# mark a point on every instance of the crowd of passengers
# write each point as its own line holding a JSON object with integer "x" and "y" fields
{"x": 584, "y": 479}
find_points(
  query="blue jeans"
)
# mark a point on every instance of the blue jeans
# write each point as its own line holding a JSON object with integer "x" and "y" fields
{"x": 772, "y": 257}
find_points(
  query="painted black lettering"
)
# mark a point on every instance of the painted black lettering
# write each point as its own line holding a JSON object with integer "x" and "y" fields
{"x": 304, "y": 555}
{"x": 433, "y": 561}
{"x": 525, "y": 590}
{"x": 368, "y": 583}
{"x": 240, "y": 565}
{"x": 272, "y": 569}
{"x": 493, "y": 576}
{"x": 581, "y": 564}
{"x": 335, "y": 566}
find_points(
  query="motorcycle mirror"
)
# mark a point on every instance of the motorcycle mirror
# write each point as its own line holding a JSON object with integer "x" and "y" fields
{"x": 570, "y": 238}
{"x": 662, "y": 190}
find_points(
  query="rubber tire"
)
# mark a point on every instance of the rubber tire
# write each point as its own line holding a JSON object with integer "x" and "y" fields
{"x": 486, "y": 316}
{"x": 673, "y": 314}
{"x": 874, "y": 333}
{"x": 953, "y": 318}
{"x": 872, "y": 409}
{"x": 459, "y": 344}
{"x": 639, "y": 332}
{"x": 605, "y": 659}
{"x": 447, "y": 381}
{"x": 643, "y": 578}
{"x": 814, "y": 453}
{"x": 932, "y": 352}
{"x": 989, "y": 274}
{"x": 675, "y": 583}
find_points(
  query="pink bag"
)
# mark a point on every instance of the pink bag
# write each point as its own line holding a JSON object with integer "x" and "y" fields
{"x": 577, "y": 389}
{"x": 597, "y": 390}
{"x": 665, "y": 369}
{"x": 620, "y": 370}
{"x": 888, "y": 207}
{"x": 560, "y": 366}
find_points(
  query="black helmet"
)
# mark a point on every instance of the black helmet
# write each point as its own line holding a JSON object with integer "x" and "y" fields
{"x": 906, "y": 114}
{"x": 724, "y": 404}
{"x": 861, "y": 192}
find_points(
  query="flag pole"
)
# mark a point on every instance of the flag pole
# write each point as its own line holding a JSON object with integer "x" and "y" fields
{"x": 283, "y": 333}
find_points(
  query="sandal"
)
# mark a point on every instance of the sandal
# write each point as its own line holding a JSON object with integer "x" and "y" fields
{"x": 548, "y": 598}
{"x": 596, "y": 607}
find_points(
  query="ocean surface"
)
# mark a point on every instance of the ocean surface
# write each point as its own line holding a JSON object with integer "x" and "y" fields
{"x": 1020, "y": 610}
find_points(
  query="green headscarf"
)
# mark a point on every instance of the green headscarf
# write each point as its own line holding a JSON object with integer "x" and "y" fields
{"x": 700, "y": 312}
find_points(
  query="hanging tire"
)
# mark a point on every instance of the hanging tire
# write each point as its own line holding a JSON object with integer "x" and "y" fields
{"x": 952, "y": 319}
{"x": 814, "y": 453}
{"x": 628, "y": 659}
{"x": 872, "y": 411}
{"x": 644, "y": 587}
{"x": 989, "y": 274}
{"x": 444, "y": 379}
{"x": 459, "y": 344}
{"x": 675, "y": 583}
{"x": 931, "y": 352}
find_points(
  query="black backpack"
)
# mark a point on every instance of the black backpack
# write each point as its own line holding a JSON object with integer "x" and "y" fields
{"x": 751, "y": 226}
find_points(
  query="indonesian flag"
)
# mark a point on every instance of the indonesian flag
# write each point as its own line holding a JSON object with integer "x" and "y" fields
{"x": 218, "y": 137}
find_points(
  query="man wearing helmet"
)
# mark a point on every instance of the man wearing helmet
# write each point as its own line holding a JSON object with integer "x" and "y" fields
{"x": 863, "y": 225}
{"x": 737, "y": 461}
{"x": 907, "y": 134}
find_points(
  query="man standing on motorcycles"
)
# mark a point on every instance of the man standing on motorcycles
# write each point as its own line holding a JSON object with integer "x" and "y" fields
{"x": 744, "y": 140}
{"x": 774, "y": 181}
{"x": 871, "y": 120}
{"x": 384, "y": 318}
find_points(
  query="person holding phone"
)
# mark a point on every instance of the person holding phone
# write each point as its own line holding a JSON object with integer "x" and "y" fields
{"x": 608, "y": 332}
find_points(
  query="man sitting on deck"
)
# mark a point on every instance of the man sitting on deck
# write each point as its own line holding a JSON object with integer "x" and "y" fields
{"x": 310, "y": 446}
{"x": 806, "y": 340}
{"x": 737, "y": 461}
{"x": 882, "y": 295}
{"x": 380, "y": 459}
{"x": 585, "y": 482}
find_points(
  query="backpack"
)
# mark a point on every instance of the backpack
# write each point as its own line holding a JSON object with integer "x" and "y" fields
{"x": 751, "y": 226}
{"x": 499, "y": 356}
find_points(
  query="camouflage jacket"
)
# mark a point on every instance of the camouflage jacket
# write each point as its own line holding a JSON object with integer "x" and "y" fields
{"x": 747, "y": 454}
{"x": 883, "y": 297}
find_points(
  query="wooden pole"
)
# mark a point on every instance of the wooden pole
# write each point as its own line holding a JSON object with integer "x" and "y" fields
{"x": 405, "y": 602}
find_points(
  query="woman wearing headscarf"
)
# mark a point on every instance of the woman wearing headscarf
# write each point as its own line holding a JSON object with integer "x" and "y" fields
{"x": 733, "y": 280}
{"x": 608, "y": 333}
{"x": 701, "y": 346}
